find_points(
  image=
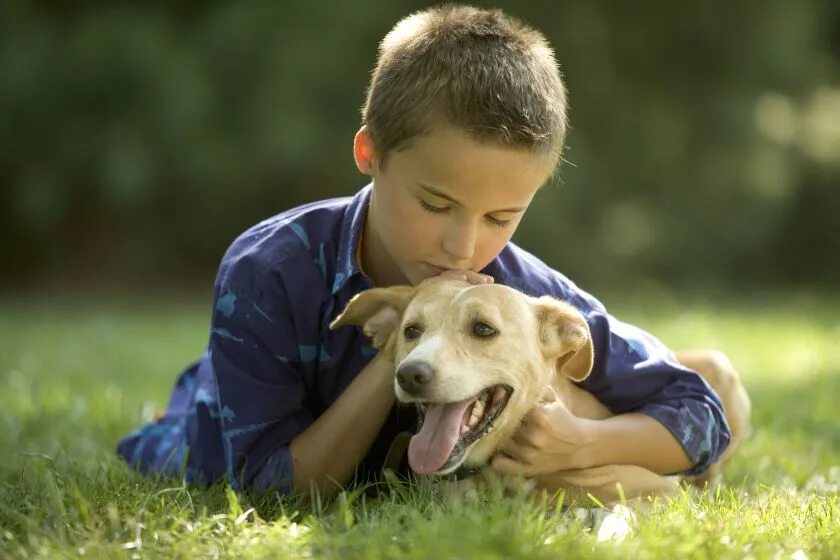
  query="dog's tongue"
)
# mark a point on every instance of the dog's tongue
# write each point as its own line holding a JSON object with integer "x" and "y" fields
{"x": 429, "y": 449}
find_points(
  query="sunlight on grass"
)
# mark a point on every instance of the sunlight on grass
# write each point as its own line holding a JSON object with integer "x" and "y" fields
{"x": 71, "y": 384}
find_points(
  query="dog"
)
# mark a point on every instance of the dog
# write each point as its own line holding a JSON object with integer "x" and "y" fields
{"x": 478, "y": 358}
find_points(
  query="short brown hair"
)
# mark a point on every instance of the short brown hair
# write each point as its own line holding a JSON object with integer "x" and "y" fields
{"x": 479, "y": 70}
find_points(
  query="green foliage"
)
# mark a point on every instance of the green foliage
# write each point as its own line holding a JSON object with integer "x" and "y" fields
{"x": 75, "y": 377}
{"x": 137, "y": 139}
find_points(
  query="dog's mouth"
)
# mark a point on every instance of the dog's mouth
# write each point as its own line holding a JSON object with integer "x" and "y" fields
{"x": 449, "y": 429}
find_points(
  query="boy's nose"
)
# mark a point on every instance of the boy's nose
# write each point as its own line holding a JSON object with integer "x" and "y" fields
{"x": 460, "y": 242}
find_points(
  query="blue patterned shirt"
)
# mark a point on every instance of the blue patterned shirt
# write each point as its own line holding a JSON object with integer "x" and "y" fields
{"x": 272, "y": 365}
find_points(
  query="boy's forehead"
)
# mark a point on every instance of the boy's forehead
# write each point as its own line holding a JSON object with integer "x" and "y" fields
{"x": 449, "y": 161}
{"x": 457, "y": 144}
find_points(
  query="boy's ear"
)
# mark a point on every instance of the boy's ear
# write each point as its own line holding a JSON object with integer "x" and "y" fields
{"x": 378, "y": 311}
{"x": 565, "y": 337}
{"x": 364, "y": 152}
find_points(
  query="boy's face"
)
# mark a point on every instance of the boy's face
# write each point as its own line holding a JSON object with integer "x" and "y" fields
{"x": 444, "y": 202}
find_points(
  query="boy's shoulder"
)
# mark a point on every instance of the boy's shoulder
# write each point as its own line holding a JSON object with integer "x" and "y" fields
{"x": 300, "y": 245}
{"x": 527, "y": 273}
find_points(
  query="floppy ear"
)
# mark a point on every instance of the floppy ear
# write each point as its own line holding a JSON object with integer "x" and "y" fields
{"x": 564, "y": 336}
{"x": 377, "y": 310}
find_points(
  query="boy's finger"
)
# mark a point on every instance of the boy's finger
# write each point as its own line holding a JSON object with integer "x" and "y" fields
{"x": 477, "y": 277}
{"x": 468, "y": 276}
{"x": 503, "y": 464}
{"x": 454, "y": 274}
{"x": 516, "y": 450}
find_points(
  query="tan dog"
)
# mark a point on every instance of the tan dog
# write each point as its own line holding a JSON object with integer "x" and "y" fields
{"x": 477, "y": 358}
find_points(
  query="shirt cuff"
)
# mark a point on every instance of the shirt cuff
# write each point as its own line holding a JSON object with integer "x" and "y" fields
{"x": 695, "y": 427}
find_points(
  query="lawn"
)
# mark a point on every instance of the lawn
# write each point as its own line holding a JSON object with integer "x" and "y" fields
{"x": 75, "y": 377}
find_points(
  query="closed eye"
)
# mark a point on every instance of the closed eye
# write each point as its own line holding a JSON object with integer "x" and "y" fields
{"x": 433, "y": 209}
{"x": 498, "y": 222}
{"x": 444, "y": 209}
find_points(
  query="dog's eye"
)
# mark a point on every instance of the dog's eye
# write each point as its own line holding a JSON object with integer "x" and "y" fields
{"x": 412, "y": 331}
{"x": 483, "y": 330}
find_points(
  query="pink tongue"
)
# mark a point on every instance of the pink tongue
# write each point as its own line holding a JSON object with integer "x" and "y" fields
{"x": 429, "y": 449}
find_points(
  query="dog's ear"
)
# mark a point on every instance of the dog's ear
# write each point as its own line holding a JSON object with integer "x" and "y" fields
{"x": 377, "y": 310}
{"x": 565, "y": 337}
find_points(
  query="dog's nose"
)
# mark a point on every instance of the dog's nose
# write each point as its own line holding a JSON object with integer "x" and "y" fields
{"x": 412, "y": 376}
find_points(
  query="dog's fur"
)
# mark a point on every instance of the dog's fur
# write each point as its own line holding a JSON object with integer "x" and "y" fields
{"x": 540, "y": 348}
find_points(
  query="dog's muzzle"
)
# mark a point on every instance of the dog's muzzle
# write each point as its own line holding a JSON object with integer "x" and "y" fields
{"x": 449, "y": 429}
{"x": 414, "y": 376}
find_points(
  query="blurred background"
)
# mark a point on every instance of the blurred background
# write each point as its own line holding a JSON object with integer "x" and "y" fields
{"x": 138, "y": 139}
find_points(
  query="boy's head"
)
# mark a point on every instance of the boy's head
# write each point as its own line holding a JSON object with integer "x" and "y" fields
{"x": 479, "y": 71}
{"x": 465, "y": 119}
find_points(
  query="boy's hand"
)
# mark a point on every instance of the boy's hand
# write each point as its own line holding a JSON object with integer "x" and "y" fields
{"x": 550, "y": 439}
{"x": 467, "y": 276}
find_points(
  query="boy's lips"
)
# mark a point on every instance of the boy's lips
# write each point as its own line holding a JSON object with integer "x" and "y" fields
{"x": 434, "y": 269}
{"x": 438, "y": 269}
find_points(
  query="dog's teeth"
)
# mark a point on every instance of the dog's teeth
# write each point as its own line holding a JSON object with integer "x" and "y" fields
{"x": 478, "y": 409}
{"x": 477, "y": 413}
{"x": 464, "y": 429}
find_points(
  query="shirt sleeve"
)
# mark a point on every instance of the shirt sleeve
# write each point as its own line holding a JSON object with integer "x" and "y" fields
{"x": 262, "y": 394}
{"x": 635, "y": 372}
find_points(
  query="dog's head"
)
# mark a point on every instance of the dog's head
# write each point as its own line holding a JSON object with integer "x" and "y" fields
{"x": 476, "y": 358}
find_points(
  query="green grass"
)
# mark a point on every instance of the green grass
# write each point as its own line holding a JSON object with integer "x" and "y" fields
{"x": 74, "y": 378}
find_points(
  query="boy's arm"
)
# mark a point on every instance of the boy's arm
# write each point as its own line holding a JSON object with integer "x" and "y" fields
{"x": 326, "y": 453}
{"x": 270, "y": 436}
{"x": 635, "y": 373}
{"x": 667, "y": 418}
{"x": 552, "y": 439}
{"x": 636, "y": 439}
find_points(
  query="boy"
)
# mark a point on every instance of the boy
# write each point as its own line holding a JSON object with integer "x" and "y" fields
{"x": 464, "y": 121}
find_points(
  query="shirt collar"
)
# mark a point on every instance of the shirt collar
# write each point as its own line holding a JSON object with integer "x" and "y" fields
{"x": 348, "y": 265}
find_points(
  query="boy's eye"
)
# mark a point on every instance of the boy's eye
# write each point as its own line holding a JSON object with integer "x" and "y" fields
{"x": 443, "y": 209}
{"x": 433, "y": 209}
{"x": 498, "y": 222}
